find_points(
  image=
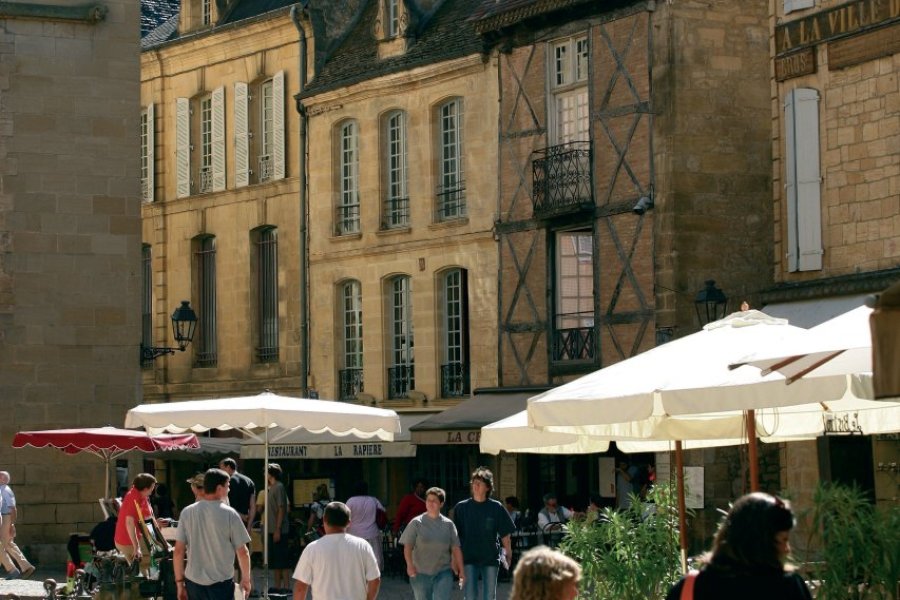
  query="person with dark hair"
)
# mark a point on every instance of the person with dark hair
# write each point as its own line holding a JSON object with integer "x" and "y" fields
{"x": 411, "y": 505}
{"x": 748, "y": 557}
{"x": 512, "y": 507}
{"x": 279, "y": 527}
{"x": 241, "y": 493}
{"x": 210, "y": 535}
{"x": 431, "y": 549}
{"x": 135, "y": 508}
{"x": 365, "y": 509}
{"x": 484, "y": 530}
{"x": 545, "y": 574}
{"x": 337, "y": 565}
{"x": 162, "y": 503}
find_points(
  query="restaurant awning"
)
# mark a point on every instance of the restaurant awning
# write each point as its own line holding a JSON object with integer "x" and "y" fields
{"x": 302, "y": 444}
{"x": 461, "y": 424}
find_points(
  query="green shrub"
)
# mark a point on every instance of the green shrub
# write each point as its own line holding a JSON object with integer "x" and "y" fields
{"x": 860, "y": 545}
{"x": 630, "y": 554}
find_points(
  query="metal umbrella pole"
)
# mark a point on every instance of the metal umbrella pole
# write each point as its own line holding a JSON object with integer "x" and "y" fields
{"x": 267, "y": 510}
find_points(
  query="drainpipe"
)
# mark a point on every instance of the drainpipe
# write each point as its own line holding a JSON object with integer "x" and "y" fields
{"x": 296, "y": 11}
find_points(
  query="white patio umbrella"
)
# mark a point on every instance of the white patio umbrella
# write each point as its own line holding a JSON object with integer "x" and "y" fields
{"x": 842, "y": 345}
{"x": 250, "y": 414}
{"x": 688, "y": 376}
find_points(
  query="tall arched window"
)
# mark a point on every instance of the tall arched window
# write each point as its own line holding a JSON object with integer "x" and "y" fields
{"x": 265, "y": 247}
{"x": 401, "y": 372}
{"x": 451, "y": 192}
{"x": 347, "y": 217}
{"x": 204, "y": 275}
{"x": 396, "y": 201}
{"x": 351, "y": 371}
{"x": 455, "y": 334}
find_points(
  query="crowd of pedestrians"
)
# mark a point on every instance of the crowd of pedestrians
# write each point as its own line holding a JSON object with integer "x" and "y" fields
{"x": 211, "y": 558}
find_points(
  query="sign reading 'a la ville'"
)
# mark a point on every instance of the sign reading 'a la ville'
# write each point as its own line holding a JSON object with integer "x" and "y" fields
{"x": 846, "y": 19}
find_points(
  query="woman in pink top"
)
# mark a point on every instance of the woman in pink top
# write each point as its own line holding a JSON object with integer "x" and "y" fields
{"x": 128, "y": 526}
{"x": 363, "y": 514}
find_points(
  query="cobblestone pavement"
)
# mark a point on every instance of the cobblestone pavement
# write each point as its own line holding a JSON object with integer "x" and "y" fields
{"x": 392, "y": 587}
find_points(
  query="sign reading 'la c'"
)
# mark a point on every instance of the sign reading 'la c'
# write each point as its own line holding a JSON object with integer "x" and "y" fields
{"x": 846, "y": 19}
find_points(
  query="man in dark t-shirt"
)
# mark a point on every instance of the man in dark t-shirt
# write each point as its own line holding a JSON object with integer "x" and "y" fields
{"x": 484, "y": 528}
{"x": 242, "y": 493}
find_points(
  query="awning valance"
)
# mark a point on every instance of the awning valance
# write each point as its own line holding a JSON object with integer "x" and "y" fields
{"x": 461, "y": 424}
{"x": 303, "y": 444}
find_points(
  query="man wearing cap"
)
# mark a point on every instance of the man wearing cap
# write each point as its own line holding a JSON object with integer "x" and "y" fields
{"x": 242, "y": 495}
{"x": 210, "y": 533}
{"x": 197, "y": 486}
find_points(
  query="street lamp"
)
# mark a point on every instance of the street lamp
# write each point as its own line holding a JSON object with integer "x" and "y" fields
{"x": 710, "y": 303}
{"x": 184, "y": 323}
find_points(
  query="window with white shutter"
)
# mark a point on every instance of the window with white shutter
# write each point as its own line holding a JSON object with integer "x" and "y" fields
{"x": 278, "y": 155}
{"x": 182, "y": 147}
{"x": 241, "y": 135}
{"x": 792, "y": 5}
{"x": 218, "y": 139}
{"x": 148, "y": 184}
{"x": 803, "y": 180}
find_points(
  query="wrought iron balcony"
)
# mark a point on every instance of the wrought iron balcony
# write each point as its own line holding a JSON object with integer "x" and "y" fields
{"x": 206, "y": 178}
{"x": 146, "y": 190}
{"x": 351, "y": 382}
{"x": 265, "y": 168}
{"x": 346, "y": 219}
{"x": 574, "y": 343}
{"x": 396, "y": 213}
{"x": 401, "y": 379}
{"x": 267, "y": 355}
{"x": 451, "y": 202}
{"x": 454, "y": 380}
{"x": 561, "y": 177}
{"x": 206, "y": 359}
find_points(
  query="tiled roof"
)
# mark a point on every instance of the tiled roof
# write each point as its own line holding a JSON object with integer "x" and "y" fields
{"x": 444, "y": 36}
{"x": 163, "y": 33}
{"x": 156, "y": 12}
{"x": 494, "y": 14}
{"x": 246, "y": 9}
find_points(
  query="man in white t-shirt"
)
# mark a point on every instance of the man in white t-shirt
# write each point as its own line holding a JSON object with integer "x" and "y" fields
{"x": 337, "y": 566}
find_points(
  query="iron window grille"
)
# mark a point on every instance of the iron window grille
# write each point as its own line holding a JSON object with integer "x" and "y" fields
{"x": 206, "y": 347}
{"x": 351, "y": 382}
{"x": 401, "y": 379}
{"x": 146, "y": 303}
{"x": 454, "y": 380}
{"x": 267, "y": 295}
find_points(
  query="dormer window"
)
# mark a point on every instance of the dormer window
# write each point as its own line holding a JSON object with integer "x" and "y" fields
{"x": 392, "y": 17}
{"x": 391, "y": 28}
{"x": 206, "y": 12}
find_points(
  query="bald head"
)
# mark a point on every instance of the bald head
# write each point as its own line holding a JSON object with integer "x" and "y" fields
{"x": 4, "y": 477}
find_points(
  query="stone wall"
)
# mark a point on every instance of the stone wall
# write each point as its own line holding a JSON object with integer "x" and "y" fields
{"x": 859, "y": 137}
{"x": 69, "y": 255}
{"x": 185, "y": 69}
{"x": 424, "y": 249}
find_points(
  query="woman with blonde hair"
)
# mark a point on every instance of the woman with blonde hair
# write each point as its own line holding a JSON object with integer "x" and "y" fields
{"x": 545, "y": 574}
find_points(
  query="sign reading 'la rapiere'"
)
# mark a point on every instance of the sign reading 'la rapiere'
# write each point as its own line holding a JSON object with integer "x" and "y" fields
{"x": 846, "y": 19}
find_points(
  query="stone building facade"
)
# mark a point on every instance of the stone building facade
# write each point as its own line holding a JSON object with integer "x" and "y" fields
{"x": 402, "y": 123}
{"x": 634, "y": 165}
{"x": 70, "y": 250}
{"x": 835, "y": 106}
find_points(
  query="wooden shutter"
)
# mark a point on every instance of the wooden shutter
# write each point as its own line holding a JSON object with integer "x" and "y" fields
{"x": 241, "y": 135}
{"x": 278, "y": 169}
{"x": 792, "y": 5}
{"x": 151, "y": 146}
{"x": 803, "y": 180}
{"x": 182, "y": 147}
{"x": 218, "y": 139}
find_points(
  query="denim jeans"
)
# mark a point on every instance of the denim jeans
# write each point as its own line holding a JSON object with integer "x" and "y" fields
{"x": 488, "y": 576}
{"x": 224, "y": 590}
{"x": 432, "y": 587}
